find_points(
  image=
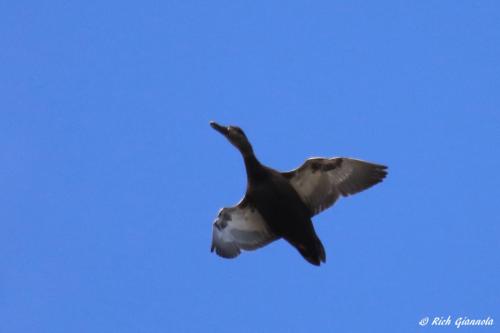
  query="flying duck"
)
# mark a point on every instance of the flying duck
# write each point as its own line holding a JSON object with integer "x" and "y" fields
{"x": 281, "y": 204}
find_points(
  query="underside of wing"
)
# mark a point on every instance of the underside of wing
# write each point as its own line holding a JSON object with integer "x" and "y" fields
{"x": 239, "y": 228}
{"x": 320, "y": 181}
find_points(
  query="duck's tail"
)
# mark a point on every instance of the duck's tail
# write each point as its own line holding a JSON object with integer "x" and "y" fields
{"x": 313, "y": 251}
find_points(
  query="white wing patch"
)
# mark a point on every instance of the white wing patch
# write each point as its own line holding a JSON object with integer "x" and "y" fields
{"x": 320, "y": 181}
{"x": 239, "y": 228}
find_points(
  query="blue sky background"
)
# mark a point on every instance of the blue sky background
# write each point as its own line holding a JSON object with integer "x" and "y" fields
{"x": 110, "y": 175}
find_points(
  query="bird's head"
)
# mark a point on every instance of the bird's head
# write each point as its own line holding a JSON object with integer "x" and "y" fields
{"x": 235, "y": 135}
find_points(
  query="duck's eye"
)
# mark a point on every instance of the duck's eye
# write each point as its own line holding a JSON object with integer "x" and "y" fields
{"x": 236, "y": 130}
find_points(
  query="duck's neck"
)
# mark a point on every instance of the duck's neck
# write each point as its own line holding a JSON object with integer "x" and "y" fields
{"x": 255, "y": 170}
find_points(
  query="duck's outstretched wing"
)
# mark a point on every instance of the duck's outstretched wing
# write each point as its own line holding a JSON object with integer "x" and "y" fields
{"x": 239, "y": 228}
{"x": 320, "y": 181}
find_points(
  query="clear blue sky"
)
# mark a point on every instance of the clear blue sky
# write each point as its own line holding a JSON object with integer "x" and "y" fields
{"x": 111, "y": 177}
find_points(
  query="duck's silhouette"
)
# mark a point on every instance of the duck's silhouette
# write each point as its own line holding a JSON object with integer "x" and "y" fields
{"x": 281, "y": 204}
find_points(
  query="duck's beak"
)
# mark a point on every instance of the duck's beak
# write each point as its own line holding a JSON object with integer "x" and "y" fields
{"x": 221, "y": 129}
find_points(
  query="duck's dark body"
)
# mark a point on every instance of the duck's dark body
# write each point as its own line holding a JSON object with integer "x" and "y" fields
{"x": 283, "y": 210}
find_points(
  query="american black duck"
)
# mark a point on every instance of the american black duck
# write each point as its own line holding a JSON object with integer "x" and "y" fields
{"x": 281, "y": 204}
